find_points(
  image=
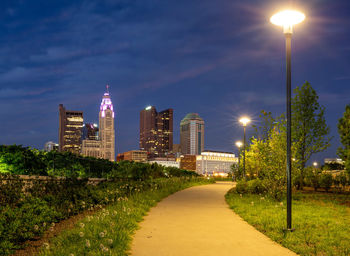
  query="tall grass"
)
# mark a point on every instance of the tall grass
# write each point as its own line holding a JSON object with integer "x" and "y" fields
{"x": 110, "y": 230}
{"x": 321, "y": 221}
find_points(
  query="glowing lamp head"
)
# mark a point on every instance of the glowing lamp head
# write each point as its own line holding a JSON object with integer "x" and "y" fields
{"x": 244, "y": 121}
{"x": 287, "y": 19}
{"x": 315, "y": 164}
{"x": 148, "y": 108}
{"x": 239, "y": 144}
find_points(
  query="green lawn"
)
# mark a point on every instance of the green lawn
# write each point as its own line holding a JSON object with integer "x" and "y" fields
{"x": 321, "y": 221}
{"x": 110, "y": 230}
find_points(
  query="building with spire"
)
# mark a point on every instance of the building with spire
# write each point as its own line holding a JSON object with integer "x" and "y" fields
{"x": 192, "y": 134}
{"x": 104, "y": 145}
{"x": 106, "y": 121}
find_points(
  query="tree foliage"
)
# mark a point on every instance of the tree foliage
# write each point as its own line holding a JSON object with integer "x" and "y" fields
{"x": 310, "y": 133}
{"x": 16, "y": 159}
{"x": 344, "y": 133}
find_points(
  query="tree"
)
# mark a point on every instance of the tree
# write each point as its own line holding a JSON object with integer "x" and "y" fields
{"x": 344, "y": 133}
{"x": 267, "y": 123}
{"x": 309, "y": 128}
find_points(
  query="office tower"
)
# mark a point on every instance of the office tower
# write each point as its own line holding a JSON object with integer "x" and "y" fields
{"x": 156, "y": 131}
{"x": 90, "y": 132}
{"x": 107, "y": 134}
{"x": 192, "y": 134}
{"x": 70, "y": 129}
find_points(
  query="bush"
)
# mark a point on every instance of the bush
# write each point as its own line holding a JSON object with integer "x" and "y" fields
{"x": 313, "y": 179}
{"x": 256, "y": 186}
{"x": 242, "y": 187}
{"x": 326, "y": 181}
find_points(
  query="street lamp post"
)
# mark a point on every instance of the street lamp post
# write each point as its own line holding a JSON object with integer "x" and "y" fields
{"x": 244, "y": 121}
{"x": 287, "y": 19}
{"x": 239, "y": 145}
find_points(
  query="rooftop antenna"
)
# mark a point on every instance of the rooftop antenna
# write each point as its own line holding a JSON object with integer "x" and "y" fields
{"x": 107, "y": 86}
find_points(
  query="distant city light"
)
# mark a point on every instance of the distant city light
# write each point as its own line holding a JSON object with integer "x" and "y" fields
{"x": 148, "y": 108}
{"x": 95, "y": 125}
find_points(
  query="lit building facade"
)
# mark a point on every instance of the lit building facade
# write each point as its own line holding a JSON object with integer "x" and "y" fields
{"x": 133, "y": 155}
{"x": 192, "y": 134}
{"x": 215, "y": 162}
{"x": 188, "y": 162}
{"x": 106, "y": 128}
{"x": 49, "y": 146}
{"x": 165, "y": 161}
{"x": 91, "y": 148}
{"x": 70, "y": 130}
{"x": 156, "y": 131}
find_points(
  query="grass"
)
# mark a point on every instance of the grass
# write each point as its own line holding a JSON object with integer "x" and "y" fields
{"x": 109, "y": 231}
{"x": 321, "y": 221}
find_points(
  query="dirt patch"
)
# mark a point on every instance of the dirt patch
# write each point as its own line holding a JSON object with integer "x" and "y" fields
{"x": 32, "y": 247}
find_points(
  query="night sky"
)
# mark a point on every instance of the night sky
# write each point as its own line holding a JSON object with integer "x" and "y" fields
{"x": 221, "y": 59}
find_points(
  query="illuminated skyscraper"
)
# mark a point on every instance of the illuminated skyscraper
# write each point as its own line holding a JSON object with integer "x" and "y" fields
{"x": 107, "y": 134}
{"x": 70, "y": 128}
{"x": 156, "y": 131}
{"x": 192, "y": 134}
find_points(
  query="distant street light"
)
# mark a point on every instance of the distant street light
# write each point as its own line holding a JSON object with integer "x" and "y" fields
{"x": 239, "y": 145}
{"x": 287, "y": 19}
{"x": 244, "y": 121}
{"x": 315, "y": 164}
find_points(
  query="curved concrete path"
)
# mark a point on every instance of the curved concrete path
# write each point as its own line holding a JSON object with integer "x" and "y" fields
{"x": 197, "y": 221}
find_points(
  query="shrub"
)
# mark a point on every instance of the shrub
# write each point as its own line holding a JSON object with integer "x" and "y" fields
{"x": 313, "y": 179}
{"x": 242, "y": 187}
{"x": 326, "y": 181}
{"x": 256, "y": 186}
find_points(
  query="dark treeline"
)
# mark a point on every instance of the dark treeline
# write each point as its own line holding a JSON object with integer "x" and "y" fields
{"x": 16, "y": 159}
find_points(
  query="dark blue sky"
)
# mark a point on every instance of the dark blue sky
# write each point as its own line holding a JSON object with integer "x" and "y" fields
{"x": 221, "y": 59}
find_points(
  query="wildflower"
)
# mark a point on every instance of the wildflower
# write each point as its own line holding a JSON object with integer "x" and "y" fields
{"x": 240, "y": 195}
{"x": 87, "y": 243}
{"x": 44, "y": 224}
{"x": 51, "y": 229}
{"x": 71, "y": 254}
{"x": 281, "y": 203}
{"x": 110, "y": 241}
{"x": 36, "y": 227}
{"x": 105, "y": 249}
{"x": 52, "y": 224}
{"x": 81, "y": 234}
{"x": 262, "y": 198}
{"x": 105, "y": 231}
{"x": 102, "y": 234}
{"x": 276, "y": 205}
{"x": 82, "y": 225}
{"x": 252, "y": 203}
{"x": 46, "y": 246}
{"x": 102, "y": 246}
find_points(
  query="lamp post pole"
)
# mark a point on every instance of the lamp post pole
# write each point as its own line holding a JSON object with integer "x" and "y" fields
{"x": 244, "y": 151}
{"x": 288, "y": 35}
{"x": 287, "y": 19}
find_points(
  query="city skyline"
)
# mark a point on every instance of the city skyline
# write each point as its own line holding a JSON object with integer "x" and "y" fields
{"x": 229, "y": 57}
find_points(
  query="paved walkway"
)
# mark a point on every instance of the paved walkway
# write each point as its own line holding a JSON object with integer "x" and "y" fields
{"x": 197, "y": 221}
